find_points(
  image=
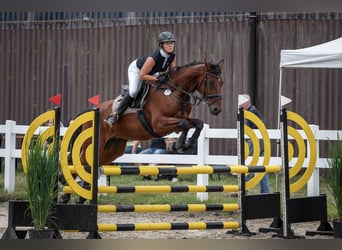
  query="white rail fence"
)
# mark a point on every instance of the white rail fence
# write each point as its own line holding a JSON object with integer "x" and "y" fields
{"x": 11, "y": 151}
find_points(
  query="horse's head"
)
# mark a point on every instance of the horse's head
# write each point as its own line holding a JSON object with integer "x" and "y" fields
{"x": 211, "y": 86}
{"x": 203, "y": 77}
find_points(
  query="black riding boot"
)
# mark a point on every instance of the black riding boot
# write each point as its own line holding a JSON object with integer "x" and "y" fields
{"x": 124, "y": 103}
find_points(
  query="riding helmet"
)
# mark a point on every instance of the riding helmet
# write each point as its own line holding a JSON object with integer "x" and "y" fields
{"x": 166, "y": 36}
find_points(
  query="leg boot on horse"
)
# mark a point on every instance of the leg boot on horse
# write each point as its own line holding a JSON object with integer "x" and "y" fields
{"x": 124, "y": 104}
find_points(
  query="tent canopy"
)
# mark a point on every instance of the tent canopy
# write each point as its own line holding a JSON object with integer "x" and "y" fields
{"x": 325, "y": 55}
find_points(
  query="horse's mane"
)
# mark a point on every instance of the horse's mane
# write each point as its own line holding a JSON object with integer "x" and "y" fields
{"x": 214, "y": 68}
{"x": 187, "y": 65}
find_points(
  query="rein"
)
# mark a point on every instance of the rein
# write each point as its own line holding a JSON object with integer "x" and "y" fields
{"x": 205, "y": 98}
{"x": 197, "y": 100}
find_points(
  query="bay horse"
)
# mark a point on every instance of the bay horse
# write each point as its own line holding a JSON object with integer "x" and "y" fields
{"x": 166, "y": 110}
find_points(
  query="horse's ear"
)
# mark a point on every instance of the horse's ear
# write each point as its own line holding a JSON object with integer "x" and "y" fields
{"x": 207, "y": 65}
{"x": 221, "y": 63}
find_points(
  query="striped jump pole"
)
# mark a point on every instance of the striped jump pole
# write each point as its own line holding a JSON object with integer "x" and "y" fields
{"x": 167, "y": 208}
{"x": 161, "y": 189}
{"x": 170, "y": 170}
{"x": 152, "y": 170}
{"x": 168, "y": 226}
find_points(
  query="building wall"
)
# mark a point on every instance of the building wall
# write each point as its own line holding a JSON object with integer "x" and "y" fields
{"x": 87, "y": 57}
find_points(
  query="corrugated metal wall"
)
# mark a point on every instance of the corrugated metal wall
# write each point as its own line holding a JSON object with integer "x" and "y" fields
{"x": 93, "y": 55}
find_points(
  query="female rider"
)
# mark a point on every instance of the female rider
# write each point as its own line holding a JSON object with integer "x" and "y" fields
{"x": 147, "y": 68}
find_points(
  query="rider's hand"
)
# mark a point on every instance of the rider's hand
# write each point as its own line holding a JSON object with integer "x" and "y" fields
{"x": 162, "y": 78}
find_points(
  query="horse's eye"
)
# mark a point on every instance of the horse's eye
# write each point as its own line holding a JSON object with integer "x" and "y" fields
{"x": 211, "y": 84}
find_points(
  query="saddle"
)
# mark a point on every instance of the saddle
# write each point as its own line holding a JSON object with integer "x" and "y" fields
{"x": 136, "y": 106}
{"x": 138, "y": 102}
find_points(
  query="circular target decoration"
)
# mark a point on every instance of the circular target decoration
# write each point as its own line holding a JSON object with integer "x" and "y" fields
{"x": 35, "y": 128}
{"x": 77, "y": 167}
{"x": 256, "y": 147}
{"x": 294, "y": 170}
{"x": 311, "y": 144}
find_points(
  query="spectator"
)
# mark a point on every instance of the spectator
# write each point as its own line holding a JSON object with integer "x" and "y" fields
{"x": 158, "y": 146}
{"x": 132, "y": 147}
{"x": 245, "y": 103}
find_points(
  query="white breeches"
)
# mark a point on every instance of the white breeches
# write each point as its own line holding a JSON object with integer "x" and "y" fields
{"x": 134, "y": 82}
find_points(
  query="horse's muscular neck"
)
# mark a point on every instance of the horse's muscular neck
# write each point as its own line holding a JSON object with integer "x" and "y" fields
{"x": 190, "y": 80}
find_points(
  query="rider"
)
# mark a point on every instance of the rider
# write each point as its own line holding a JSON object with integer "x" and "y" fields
{"x": 147, "y": 68}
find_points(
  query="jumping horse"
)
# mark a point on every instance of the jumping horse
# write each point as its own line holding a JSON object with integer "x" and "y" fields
{"x": 166, "y": 109}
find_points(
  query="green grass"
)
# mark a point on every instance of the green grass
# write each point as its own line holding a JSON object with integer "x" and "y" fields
{"x": 171, "y": 198}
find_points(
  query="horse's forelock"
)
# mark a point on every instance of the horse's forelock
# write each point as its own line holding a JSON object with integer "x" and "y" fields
{"x": 215, "y": 69}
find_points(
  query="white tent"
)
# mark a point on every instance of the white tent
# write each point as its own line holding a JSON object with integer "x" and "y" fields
{"x": 325, "y": 55}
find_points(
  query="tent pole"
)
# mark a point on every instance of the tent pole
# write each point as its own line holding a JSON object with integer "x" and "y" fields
{"x": 278, "y": 122}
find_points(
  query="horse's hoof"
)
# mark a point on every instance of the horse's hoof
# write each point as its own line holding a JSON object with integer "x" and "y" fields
{"x": 180, "y": 151}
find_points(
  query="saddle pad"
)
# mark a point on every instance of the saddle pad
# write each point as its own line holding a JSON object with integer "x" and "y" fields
{"x": 116, "y": 103}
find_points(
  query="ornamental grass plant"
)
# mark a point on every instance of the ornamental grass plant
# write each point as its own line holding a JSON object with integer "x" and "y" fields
{"x": 41, "y": 179}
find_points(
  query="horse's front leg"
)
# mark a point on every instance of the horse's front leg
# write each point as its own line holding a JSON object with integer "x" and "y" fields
{"x": 166, "y": 125}
{"x": 182, "y": 144}
{"x": 198, "y": 125}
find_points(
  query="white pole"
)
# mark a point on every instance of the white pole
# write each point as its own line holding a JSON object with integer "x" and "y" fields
{"x": 202, "y": 151}
{"x": 313, "y": 183}
{"x": 10, "y": 141}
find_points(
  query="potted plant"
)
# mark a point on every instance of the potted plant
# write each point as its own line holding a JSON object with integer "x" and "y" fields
{"x": 41, "y": 180}
{"x": 335, "y": 182}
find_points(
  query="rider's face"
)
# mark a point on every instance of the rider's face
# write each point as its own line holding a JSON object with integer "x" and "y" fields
{"x": 168, "y": 47}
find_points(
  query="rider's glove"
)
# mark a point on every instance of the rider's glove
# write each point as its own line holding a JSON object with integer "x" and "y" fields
{"x": 163, "y": 78}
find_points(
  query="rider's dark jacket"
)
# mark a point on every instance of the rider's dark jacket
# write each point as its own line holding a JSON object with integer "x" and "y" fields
{"x": 161, "y": 64}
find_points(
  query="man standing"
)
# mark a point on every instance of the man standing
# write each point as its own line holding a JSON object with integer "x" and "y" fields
{"x": 245, "y": 103}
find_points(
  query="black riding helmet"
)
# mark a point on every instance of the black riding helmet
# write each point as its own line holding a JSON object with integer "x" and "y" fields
{"x": 166, "y": 36}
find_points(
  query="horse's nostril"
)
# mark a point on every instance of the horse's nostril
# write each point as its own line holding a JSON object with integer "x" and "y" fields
{"x": 216, "y": 111}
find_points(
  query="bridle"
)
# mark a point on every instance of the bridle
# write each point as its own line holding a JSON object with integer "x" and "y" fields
{"x": 206, "y": 98}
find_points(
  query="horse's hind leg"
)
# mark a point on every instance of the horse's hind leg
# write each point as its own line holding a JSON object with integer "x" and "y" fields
{"x": 112, "y": 150}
